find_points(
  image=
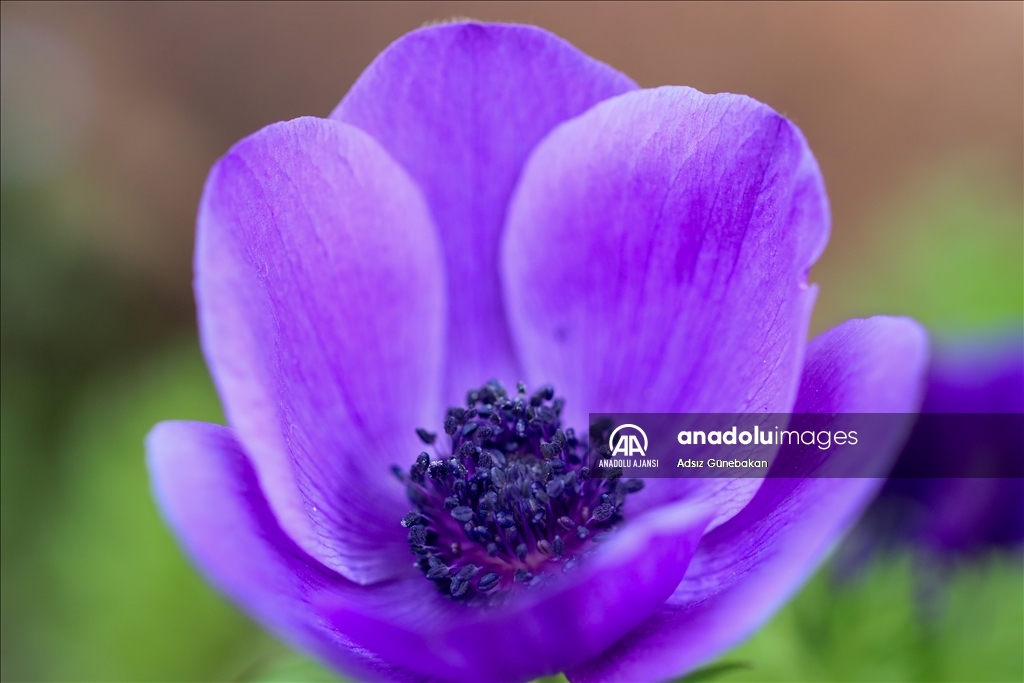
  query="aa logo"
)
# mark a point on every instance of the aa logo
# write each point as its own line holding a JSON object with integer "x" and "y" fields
{"x": 627, "y": 443}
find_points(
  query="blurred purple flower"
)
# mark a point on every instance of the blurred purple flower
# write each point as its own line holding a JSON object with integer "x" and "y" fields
{"x": 487, "y": 201}
{"x": 966, "y": 514}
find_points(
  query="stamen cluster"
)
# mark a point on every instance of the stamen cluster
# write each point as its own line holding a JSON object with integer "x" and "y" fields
{"x": 511, "y": 501}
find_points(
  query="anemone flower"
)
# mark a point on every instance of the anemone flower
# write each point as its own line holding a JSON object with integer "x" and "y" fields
{"x": 962, "y": 514}
{"x": 489, "y": 205}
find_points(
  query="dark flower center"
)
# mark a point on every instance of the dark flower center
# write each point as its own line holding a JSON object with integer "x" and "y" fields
{"x": 513, "y": 500}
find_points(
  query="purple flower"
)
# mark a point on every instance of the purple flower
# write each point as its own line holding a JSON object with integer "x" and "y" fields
{"x": 488, "y": 202}
{"x": 965, "y": 513}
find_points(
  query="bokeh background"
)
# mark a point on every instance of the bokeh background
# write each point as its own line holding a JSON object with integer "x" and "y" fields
{"x": 113, "y": 113}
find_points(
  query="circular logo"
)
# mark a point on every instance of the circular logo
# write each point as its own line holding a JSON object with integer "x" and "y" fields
{"x": 627, "y": 443}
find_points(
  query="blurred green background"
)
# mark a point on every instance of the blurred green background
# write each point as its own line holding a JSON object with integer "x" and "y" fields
{"x": 111, "y": 116}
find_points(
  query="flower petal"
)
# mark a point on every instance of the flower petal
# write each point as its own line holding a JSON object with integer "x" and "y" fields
{"x": 655, "y": 260}
{"x": 565, "y": 622}
{"x": 320, "y": 292}
{"x": 460, "y": 106}
{"x": 744, "y": 570}
{"x": 656, "y": 255}
{"x": 208, "y": 493}
{"x": 965, "y": 514}
{"x": 402, "y": 629}
{"x": 978, "y": 375}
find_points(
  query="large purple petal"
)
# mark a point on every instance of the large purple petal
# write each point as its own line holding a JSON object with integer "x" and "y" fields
{"x": 319, "y": 283}
{"x": 574, "y": 617}
{"x": 460, "y": 106}
{"x": 656, "y": 255}
{"x": 208, "y": 493}
{"x": 403, "y": 629}
{"x": 745, "y": 569}
{"x": 655, "y": 260}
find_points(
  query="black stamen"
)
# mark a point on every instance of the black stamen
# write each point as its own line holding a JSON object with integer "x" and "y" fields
{"x": 438, "y": 571}
{"x": 450, "y": 425}
{"x": 411, "y": 519}
{"x": 603, "y": 511}
{"x": 418, "y": 536}
{"x": 513, "y": 495}
{"x": 462, "y": 513}
{"x": 487, "y": 581}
